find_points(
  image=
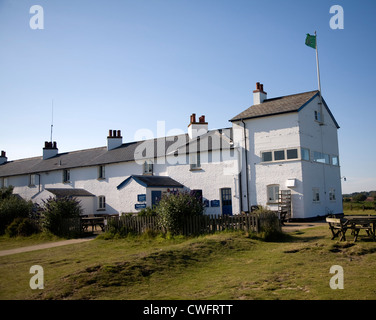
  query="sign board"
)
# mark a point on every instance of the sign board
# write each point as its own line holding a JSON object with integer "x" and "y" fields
{"x": 141, "y": 197}
{"x": 214, "y": 203}
{"x": 139, "y": 206}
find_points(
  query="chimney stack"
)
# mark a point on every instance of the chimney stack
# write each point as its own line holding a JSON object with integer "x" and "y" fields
{"x": 259, "y": 95}
{"x": 50, "y": 150}
{"x": 3, "y": 158}
{"x": 114, "y": 139}
{"x": 199, "y": 128}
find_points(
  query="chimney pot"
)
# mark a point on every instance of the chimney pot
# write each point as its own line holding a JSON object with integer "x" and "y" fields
{"x": 55, "y": 145}
{"x": 259, "y": 95}
{"x": 193, "y": 118}
{"x": 119, "y": 133}
{"x": 110, "y": 133}
{"x": 202, "y": 119}
{"x": 3, "y": 154}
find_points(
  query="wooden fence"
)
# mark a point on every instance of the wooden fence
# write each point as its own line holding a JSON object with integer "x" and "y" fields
{"x": 192, "y": 225}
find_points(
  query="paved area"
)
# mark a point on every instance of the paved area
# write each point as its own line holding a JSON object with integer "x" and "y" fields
{"x": 44, "y": 246}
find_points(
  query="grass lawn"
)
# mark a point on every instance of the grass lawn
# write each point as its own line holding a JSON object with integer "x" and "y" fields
{"x": 221, "y": 266}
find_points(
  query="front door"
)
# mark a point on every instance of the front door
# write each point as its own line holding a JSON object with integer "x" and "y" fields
{"x": 155, "y": 197}
{"x": 226, "y": 201}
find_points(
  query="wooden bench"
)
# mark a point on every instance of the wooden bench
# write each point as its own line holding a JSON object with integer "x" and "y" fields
{"x": 338, "y": 226}
{"x": 361, "y": 224}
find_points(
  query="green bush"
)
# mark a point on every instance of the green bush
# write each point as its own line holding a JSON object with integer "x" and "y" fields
{"x": 270, "y": 226}
{"x": 61, "y": 215}
{"x": 174, "y": 208}
{"x": 22, "y": 227}
{"x": 148, "y": 212}
{"x": 12, "y": 207}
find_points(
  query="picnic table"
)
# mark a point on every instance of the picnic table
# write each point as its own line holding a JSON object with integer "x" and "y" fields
{"x": 340, "y": 225}
{"x": 86, "y": 222}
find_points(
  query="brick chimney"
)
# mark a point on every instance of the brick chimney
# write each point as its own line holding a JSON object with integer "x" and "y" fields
{"x": 114, "y": 139}
{"x": 259, "y": 95}
{"x": 3, "y": 158}
{"x": 50, "y": 150}
{"x": 196, "y": 129}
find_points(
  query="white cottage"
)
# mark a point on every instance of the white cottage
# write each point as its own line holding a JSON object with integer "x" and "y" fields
{"x": 280, "y": 146}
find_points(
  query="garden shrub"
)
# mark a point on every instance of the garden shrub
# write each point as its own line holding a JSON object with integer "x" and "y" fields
{"x": 173, "y": 209}
{"x": 22, "y": 227}
{"x": 12, "y": 207}
{"x": 269, "y": 224}
{"x": 61, "y": 215}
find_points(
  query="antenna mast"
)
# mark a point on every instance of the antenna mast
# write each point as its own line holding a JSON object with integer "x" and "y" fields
{"x": 52, "y": 119}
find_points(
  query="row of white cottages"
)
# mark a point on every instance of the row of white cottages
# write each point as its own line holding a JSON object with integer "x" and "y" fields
{"x": 284, "y": 143}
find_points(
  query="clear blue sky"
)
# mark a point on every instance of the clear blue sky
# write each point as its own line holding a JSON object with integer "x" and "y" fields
{"x": 127, "y": 64}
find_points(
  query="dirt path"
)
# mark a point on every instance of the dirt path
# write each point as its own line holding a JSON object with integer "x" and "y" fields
{"x": 294, "y": 226}
{"x": 44, "y": 246}
{"x": 288, "y": 227}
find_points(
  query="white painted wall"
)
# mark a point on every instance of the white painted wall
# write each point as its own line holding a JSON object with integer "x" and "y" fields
{"x": 290, "y": 130}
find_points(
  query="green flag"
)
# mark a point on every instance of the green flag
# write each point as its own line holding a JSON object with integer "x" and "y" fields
{"x": 310, "y": 41}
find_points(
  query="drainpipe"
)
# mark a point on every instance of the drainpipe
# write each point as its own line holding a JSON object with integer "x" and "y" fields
{"x": 240, "y": 180}
{"x": 37, "y": 174}
{"x": 246, "y": 162}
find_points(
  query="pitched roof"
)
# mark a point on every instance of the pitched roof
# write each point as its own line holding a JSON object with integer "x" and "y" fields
{"x": 100, "y": 156}
{"x": 152, "y": 181}
{"x": 280, "y": 105}
{"x": 69, "y": 192}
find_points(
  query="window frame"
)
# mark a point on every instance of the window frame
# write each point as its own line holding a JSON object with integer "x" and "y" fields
{"x": 308, "y": 153}
{"x": 332, "y": 158}
{"x": 148, "y": 168}
{"x": 195, "y": 161}
{"x": 315, "y": 195}
{"x": 272, "y": 155}
{"x": 332, "y": 195}
{"x": 101, "y": 203}
{"x": 317, "y": 116}
{"x": 66, "y": 176}
{"x": 101, "y": 172}
{"x": 279, "y": 151}
{"x": 32, "y": 180}
{"x": 272, "y": 187}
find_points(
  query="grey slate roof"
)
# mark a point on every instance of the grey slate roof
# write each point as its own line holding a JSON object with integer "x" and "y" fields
{"x": 152, "y": 181}
{"x": 280, "y": 105}
{"x": 70, "y": 192}
{"x": 97, "y": 156}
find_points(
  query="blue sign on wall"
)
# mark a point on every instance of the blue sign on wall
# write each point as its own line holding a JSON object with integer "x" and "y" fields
{"x": 206, "y": 203}
{"x": 214, "y": 203}
{"x": 139, "y": 206}
{"x": 141, "y": 197}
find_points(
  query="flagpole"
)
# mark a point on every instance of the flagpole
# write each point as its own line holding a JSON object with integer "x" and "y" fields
{"x": 318, "y": 79}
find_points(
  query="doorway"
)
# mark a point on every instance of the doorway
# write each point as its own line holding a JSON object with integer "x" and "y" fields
{"x": 226, "y": 200}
